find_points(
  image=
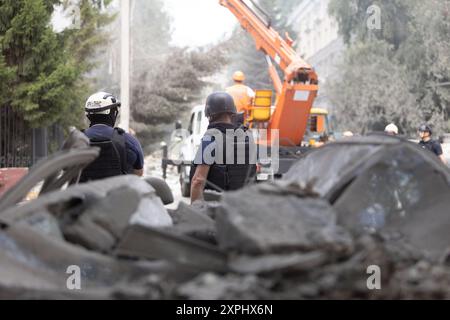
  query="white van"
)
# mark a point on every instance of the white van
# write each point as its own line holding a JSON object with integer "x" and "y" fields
{"x": 198, "y": 125}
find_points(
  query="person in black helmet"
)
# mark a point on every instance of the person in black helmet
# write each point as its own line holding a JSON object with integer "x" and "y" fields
{"x": 426, "y": 142}
{"x": 226, "y": 159}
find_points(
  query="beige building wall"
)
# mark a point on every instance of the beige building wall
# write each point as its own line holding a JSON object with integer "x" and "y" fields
{"x": 317, "y": 41}
{"x": 314, "y": 26}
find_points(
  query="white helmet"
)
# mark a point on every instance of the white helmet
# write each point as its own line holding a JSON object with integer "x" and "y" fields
{"x": 348, "y": 134}
{"x": 391, "y": 128}
{"x": 101, "y": 103}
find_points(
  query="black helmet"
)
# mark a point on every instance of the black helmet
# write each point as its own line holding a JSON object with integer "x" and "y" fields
{"x": 219, "y": 102}
{"x": 425, "y": 128}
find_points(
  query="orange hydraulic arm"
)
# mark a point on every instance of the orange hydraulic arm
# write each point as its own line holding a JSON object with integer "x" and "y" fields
{"x": 296, "y": 94}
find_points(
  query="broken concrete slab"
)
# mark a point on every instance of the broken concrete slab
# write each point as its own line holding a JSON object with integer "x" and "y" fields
{"x": 323, "y": 168}
{"x": 253, "y": 221}
{"x": 330, "y": 168}
{"x": 188, "y": 221}
{"x": 96, "y": 214}
{"x": 267, "y": 264}
{"x": 45, "y": 223}
{"x": 162, "y": 189}
{"x": 151, "y": 243}
{"x": 33, "y": 264}
{"x": 381, "y": 184}
{"x": 395, "y": 193}
{"x": 85, "y": 232}
{"x": 56, "y": 170}
{"x": 205, "y": 208}
{"x": 191, "y": 215}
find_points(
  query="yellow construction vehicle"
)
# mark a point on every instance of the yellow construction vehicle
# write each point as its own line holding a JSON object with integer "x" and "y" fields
{"x": 318, "y": 127}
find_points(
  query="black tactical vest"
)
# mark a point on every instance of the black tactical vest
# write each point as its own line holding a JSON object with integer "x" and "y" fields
{"x": 226, "y": 176}
{"x": 112, "y": 159}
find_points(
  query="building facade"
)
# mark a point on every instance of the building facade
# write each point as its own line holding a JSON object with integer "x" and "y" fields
{"x": 318, "y": 41}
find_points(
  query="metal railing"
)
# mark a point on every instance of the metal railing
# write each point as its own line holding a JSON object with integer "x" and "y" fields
{"x": 21, "y": 145}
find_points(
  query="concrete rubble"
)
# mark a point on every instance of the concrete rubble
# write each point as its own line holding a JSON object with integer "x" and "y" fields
{"x": 280, "y": 240}
{"x": 256, "y": 221}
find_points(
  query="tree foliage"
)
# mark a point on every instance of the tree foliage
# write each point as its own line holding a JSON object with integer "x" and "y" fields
{"x": 352, "y": 18}
{"x": 171, "y": 88}
{"x": 84, "y": 44}
{"x": 42, "y": 71}
{"x": 371, "y": 93}
{"x": 395, "y": 73}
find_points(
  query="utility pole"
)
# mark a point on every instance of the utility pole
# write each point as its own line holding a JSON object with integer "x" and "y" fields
{"x": 125, "y": 65}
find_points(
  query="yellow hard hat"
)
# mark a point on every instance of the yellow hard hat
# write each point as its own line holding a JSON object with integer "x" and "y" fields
{"x": 239, "y": 76}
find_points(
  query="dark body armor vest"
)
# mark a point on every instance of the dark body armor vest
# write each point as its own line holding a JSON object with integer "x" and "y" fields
{"x": 226, "y": 176}
{"x": 112, "y": 160}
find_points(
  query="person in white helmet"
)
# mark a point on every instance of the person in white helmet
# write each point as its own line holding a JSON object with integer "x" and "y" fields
{"x": 348, "y": 134}
{"x": 391, "y": 129}
{"x": 120, "y": 152}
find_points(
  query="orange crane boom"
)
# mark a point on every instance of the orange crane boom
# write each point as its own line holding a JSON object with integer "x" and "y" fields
{"x": 299, "y": 88}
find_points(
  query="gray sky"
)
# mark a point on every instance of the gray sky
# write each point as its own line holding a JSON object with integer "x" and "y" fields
{"x": 199, "y": 22}
{"x": 195, "y": 22}
{"x": 58, "y": 20}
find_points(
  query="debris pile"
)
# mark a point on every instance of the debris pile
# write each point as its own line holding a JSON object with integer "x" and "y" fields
{"x": 279, "y": 253}
{"x": 290, "y": 239}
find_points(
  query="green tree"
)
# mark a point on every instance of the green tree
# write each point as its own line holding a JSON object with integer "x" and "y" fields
{"x": 6, "y": 75}
{"x": 394, "y": 73}
{"x": 352, "y": 16}
{"x": 44, "y": 70}
{"x": 427, "y": 57}
{"x": 371, "y": 92}
{"x": 36, "y": 53}
{"x": 84, "y": 42}
{"x": 86, "y": 45}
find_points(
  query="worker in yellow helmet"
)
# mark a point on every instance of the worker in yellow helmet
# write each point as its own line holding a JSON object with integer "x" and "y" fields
{"x": 243, "y": 96}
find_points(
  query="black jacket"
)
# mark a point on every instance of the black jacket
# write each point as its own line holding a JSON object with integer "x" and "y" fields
{"x": 433, "y": 146}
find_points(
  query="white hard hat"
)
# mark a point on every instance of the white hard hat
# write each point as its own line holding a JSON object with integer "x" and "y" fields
{"x": 391, "y": 128}
{"x": 348, "y": 134}
{"x": 101, "y": 103}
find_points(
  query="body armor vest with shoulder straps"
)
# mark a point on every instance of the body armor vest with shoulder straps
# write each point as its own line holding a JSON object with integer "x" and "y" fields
{"x": 240, "y": 167}
{"x": 112, "y": 159}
